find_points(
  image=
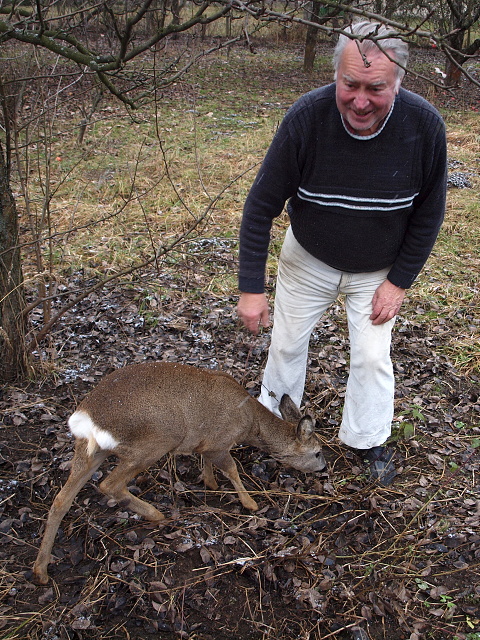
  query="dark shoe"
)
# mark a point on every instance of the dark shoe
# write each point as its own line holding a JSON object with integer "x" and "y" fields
{"x": 382, "y": 467}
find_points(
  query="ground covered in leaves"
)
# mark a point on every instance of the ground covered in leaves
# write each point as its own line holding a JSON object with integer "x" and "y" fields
{"x": 326, "y": 555}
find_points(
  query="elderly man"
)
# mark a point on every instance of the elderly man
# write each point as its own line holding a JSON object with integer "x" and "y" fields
{"x": 362, "y": 166}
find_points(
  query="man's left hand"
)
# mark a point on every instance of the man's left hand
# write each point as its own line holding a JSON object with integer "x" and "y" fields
{"x": 386, "y": 302}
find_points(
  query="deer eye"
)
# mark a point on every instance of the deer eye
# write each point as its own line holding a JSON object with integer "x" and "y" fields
{"x": 318, "y": 454}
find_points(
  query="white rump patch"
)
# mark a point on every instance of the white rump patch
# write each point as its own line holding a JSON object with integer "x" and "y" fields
{"x": 82, "y": 426}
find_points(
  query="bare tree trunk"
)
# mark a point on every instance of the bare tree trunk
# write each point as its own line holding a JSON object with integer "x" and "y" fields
{"x": 311, "y": 39}
{"x": 175, "y": 12}
{"x": 13, "y": 358}
{"x": 453, "y": 72}
{"x": 310, "y": 49}
{"x": 390, "y": 7}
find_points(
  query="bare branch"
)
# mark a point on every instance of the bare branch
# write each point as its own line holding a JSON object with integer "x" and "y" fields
{"x": 162, "y": 251}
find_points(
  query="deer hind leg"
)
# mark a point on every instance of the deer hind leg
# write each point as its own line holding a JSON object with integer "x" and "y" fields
{"x": 115, "y": 486}
{"x": 207, "y": 474}
{"x": 224, "y": 461}
{"x": 83, "y": 467}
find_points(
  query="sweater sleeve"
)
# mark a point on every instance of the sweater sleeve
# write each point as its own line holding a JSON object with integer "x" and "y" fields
{"x": 427, "y": 216}
{"x": 276, "y": 182}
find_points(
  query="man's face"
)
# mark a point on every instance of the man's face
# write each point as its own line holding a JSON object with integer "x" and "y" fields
{"x": 365, "y": 94}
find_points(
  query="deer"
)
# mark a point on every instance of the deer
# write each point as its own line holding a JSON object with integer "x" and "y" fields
{"x": 143, "y": 411}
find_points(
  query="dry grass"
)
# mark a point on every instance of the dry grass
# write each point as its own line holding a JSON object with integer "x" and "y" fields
{"x": 447, "y": 292}
{"x": 138, "y": 182}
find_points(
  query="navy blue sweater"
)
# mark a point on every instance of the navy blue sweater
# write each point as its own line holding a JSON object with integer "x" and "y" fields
{"x": 358, "y": 204}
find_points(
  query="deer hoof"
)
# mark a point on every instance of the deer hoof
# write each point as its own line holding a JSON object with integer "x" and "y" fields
{"x": 250, "y": 504}
{"x": 40, "y": 576}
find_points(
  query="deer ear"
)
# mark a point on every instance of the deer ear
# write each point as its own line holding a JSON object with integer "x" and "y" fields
{"x": 289, "y": 409}
{"x": 305, "y": 428}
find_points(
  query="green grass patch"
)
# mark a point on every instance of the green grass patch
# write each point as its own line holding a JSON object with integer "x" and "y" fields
{"x": 140, "y": 180}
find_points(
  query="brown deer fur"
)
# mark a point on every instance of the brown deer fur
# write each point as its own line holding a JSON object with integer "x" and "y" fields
{"x": 143, "y": 411}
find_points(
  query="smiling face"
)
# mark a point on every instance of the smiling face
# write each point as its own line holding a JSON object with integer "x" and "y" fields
{"x": 365, "y": 94}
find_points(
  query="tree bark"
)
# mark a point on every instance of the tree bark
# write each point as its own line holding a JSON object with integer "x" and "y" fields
{"x": 311, "y": 38}
{"x": 13, "y": 355}
{"x": 453, "y": 74}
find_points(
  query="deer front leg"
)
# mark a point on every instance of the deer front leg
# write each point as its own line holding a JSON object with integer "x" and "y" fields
{"x": 83, "y": 467}
{"x": 224, "y": 461}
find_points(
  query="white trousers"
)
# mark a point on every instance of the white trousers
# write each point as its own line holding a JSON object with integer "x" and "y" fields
{"x": 306, "y": 287}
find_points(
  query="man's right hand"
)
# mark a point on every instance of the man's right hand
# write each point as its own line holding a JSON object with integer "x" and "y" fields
{"x": 253, "y": 311}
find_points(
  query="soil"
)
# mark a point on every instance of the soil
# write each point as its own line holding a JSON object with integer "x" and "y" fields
{"x": 325, "y": 552}
{"x": 328, "y": 555}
